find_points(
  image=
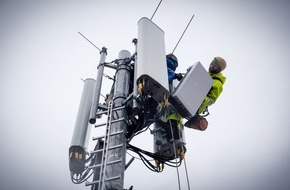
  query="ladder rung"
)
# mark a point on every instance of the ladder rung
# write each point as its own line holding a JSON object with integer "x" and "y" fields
{"x": 117, "y": 120}
{"x": 92, "y": 183}
{"x": 96, "y": 151}
{"x": 111, "y": 148}
{"x": 113, "y": 121}
{"x": 97, "y": 138}
{"x": 106, "y": 180}
{"x": 114, "y": 162}
{"x": 112, "y": 178}
{"x": 100, "y": 137}
{"x": 99, "y": 125}
{"x": 116, "y": 133}
{"x": 109, "y": 163}
{"x": 117, "y": 146}
{"x": 94, "y": 166}
{"x": 101, "y": 113}
{"x": 118, "y": 108}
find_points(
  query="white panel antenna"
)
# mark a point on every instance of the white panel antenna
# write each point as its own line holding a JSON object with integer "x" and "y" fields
{"x": 191, "y": 91}
{"x": 151, "y": 69}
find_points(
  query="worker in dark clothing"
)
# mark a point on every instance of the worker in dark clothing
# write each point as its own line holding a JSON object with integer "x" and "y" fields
{"x": 172, "y": 64}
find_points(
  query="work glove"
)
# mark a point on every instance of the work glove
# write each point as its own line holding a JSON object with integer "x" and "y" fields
{"x": 206, "y": 102}
{"x": 178, "y": 76}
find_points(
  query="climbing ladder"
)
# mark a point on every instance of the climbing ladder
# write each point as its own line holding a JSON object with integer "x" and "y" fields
{"x": 101, "y": 182}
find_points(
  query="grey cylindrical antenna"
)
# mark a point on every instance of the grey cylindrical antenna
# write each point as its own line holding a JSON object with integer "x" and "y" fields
{"x": 83, "y": 113}
{"x": 82, "y": 128}
{"x": 97, "y": 89}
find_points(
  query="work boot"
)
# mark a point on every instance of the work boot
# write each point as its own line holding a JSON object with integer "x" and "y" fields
{"x": 197, "y": 122}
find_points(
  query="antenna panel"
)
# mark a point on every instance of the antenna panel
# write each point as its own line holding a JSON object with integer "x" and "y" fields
{"x": 151, "y": 60}
{"x": 82, "y": 129}
{"x": 191, "y": 91}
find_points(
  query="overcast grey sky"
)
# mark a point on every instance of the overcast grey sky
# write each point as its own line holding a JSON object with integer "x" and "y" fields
{"x": 43, "y": 58}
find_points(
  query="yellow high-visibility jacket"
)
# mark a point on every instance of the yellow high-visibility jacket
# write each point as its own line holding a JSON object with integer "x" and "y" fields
{"x": 215, "y": 91}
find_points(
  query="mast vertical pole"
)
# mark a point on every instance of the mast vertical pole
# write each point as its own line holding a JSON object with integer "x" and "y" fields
{"x": 121, "y": 92}
{"x": 97, "y": 90}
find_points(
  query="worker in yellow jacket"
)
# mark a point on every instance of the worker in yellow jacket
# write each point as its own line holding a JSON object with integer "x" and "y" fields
{"x": 217, "y": 65}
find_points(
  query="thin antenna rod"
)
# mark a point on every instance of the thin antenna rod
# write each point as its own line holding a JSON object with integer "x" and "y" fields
{"x": 89, "y": 41}
{"x": 156, "y": 9}
{"x": 183, "y": 33}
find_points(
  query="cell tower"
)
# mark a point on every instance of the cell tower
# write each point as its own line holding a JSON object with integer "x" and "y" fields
{"x": 141, "y": 97}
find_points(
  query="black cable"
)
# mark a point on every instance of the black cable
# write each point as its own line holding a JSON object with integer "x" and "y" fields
{"x": 86, "y": 174}
{"x": 150, "y": 122}
{"x": 82, "y": 179}
{"x": 147, "y": 163}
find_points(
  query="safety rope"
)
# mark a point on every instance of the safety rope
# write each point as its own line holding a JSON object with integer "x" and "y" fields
{"x": 187, "y": 178}
{"x": 161, "y": 160}
{"x": 174, "y": 148}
